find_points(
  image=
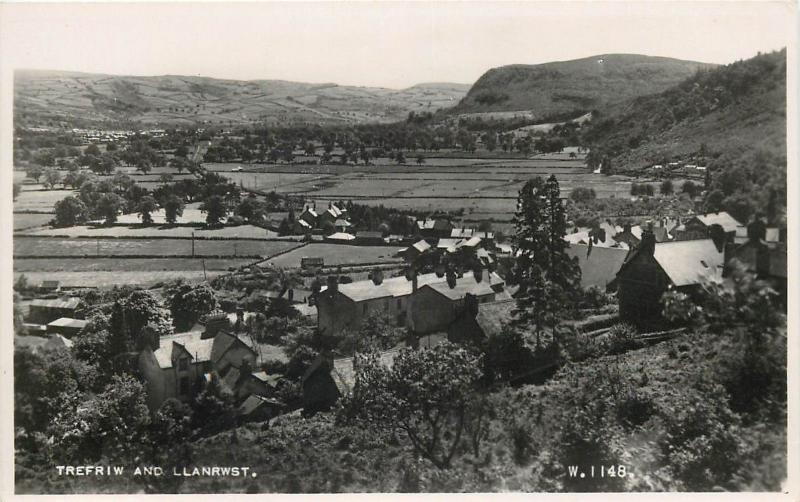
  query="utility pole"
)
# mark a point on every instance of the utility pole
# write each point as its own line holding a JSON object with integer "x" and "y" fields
{"x": 192, "y": 244}
{"x": 98, "y": 247}
{"x": 205, "y": 277}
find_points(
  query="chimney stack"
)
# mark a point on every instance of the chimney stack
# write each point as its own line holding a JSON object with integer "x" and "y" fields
{"x": 333, "y": 284}
{"x": 648, "y": 244}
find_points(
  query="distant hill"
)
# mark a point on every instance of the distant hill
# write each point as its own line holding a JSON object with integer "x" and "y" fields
{"x": 577, "y": 86}
{"x": 731, "y": 108}
{"x": 173, "y": 100}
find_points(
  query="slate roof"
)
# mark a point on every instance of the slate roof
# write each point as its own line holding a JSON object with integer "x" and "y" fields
{"x": 271, "y": 380}
{"x": 462, "y": 233}
{"x": 199, "y": 348}
{"x": 461, "y": 289}
{"x": 68, "y": 322}
{"x": 687, "y": 262}
{"x": 421, "y": 246}
{"x": 723, "y": 219}
{"x": 598, "y": 267}
{"x": 400, "y": 286}
{"x": 69, "y": 303}
{"x": 341, "y": 236}
{"x": 342, "y": 223}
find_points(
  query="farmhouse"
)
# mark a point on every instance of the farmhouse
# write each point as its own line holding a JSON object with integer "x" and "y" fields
{"x": 49, "y": 287}
{"x": 654, "y": 268}
{"x": 181, "y": 362}
{"x": 599, "y": 265}
{"x": 46, "y": 311}
{"x": 309, "y": 216}
{"x": 436, "y": 305}
{"x": 330, "y": 216}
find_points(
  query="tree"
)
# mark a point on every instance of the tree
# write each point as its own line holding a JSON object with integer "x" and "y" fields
{"x": 147, "y": 205}
{"x": 34, "y": 172}
{"x": 92, "y": 149}
{"x": 420, "y": 159}
{"x": 582, "y": 194}
{"x": 425, "y": 394}
{"x": 188, "y": 304}
{"x": 70, "y": 211}
{"x": 51, "y": 178}
{"x": 689, "y": 188}
{"x": 173, "y": 208}
{"x": 109, "y": 206}
{"x": 377, "y": 331}
{"x": 251, "y": 209}
{"x": 130, "y": 317}
{"x": 214, "y": 207}
{"x": 666, "y": 187}
{"x": 548, "y": 278}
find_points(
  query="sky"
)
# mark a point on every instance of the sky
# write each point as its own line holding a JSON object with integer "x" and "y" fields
{"x": 376, "y": 43}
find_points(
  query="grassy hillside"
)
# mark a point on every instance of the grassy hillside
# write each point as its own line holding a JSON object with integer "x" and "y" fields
{"x": 731, "y": 119}
{"x": 573, "y": 86}
{"x": 173, "y": 99}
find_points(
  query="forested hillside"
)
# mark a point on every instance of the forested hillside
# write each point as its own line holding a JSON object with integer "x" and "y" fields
{"x": 731, "y": 119}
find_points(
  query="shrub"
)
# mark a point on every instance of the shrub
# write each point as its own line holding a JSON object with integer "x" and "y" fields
{"x": 621, "y": 338}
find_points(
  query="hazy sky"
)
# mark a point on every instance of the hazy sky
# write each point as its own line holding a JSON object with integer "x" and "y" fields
{"x": 372, "y": 43}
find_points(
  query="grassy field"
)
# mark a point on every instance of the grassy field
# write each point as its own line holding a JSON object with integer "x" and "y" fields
{"x": 24, "y": 221}
{"x": 42, "y": 201}
{"x": 338, "y": 254}
{"x": 79, "y": 272}
{"x": 46, "y": 246}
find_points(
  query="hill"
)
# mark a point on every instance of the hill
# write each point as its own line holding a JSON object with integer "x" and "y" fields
{"x": 41, "y": 96}
{"x": 573, "y": 87}
{"x": 730, "y": 118}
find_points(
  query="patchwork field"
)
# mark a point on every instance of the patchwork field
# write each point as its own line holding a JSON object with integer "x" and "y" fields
{"x": 484, "y": 188}
{"x": 338, "y": 254}
{"x": 34, "y": 199}
{"x": 46, "y": 246}
{"x": 24, "y": 221}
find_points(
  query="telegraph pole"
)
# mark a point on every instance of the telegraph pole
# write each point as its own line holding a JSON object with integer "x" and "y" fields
{"x": 192, "y": 244}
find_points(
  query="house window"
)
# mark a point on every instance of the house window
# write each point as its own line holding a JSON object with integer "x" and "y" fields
{"x": 183, "y": 364}
{"x": 183, "y": 386}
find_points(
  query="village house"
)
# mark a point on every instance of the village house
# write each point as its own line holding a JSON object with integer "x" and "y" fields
{"x": 340, "y": 238}
{"x": 181, "y": 362}
{"x": 721, "y": 227}
{"x": 309, "y": 216}
{"x": 49, "y": 287}
{"x": 66, "y": 326}
{"x": 654, "y": 268}
{"x": 369, "y": 238}
{"x": 599, "y": 265}
{"x": 413, "y": 251}
{"x": 436, "y": 305}
{"x": 330, "y": 216}
{"x": 344, "y": 306}
{"x": 46, "y": 311}
{"x": 434, "y": 228}
{"x": 767, "y": 260}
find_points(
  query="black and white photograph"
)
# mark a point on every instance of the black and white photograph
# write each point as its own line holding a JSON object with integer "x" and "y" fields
{"x": 399, "y": 248}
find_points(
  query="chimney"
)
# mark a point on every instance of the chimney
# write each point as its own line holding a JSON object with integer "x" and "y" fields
{"x": 471, "y": 304}
{"x": 333, "y": 284}
{"x": 377, "y": 276}
{"x": 452, "y": 279}
{"x": 757, "y": 231}
{"x": 648, "y": 244}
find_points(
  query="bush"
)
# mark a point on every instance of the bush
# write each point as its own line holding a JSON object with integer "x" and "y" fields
{"x": 621, "y": 338}
{"x": 701, "y": 445}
